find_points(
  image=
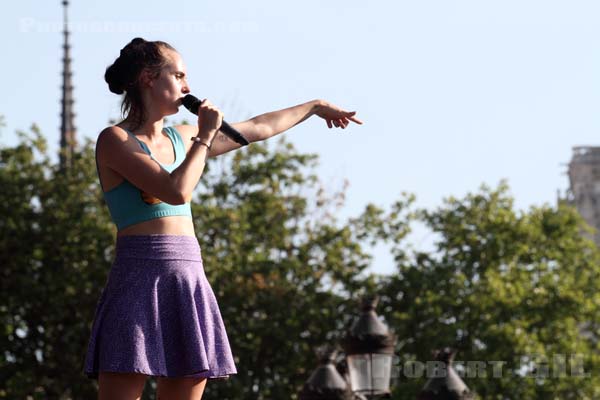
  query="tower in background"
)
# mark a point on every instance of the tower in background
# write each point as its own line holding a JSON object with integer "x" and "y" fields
{"x": 67, "y": 125}
{"x": 584, "y": 185}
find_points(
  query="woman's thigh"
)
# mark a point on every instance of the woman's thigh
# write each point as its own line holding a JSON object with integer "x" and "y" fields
{"x": 120, "y": 386}
{"x": 180, "y": 388}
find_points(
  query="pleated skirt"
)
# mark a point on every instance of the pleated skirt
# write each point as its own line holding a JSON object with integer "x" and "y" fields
{"x": 157, "y": 314}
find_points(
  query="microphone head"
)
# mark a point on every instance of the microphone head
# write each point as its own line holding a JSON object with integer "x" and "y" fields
{"x": 191, "y": 102}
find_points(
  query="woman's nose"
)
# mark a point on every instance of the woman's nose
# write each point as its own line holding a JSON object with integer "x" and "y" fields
{"x": 185, "y": 89}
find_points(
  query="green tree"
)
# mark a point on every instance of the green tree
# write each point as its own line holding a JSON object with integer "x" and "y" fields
{"x": 287, "y": 273}
{"x": 500, "y": 286}
{"x": 55, "y": 247}
{"x": 285, "y": 270}
{"x": 282, "y": 267}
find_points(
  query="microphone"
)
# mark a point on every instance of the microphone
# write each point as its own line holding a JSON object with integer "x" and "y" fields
{"x": 192, "y": 103}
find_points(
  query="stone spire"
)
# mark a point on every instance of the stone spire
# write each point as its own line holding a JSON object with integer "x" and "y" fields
{"x": 67, "y": 126}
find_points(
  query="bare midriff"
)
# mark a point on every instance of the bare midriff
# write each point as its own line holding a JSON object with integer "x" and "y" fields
{"x": 173, "y": 225}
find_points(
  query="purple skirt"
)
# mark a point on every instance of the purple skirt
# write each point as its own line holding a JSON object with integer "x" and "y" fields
{"x": 157, "y": 314}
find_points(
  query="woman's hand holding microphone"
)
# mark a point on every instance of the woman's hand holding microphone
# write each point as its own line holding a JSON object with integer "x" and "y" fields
{"x": 210, "y": 119}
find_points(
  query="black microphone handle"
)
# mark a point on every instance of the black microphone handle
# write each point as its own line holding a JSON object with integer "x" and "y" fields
{"x": 192, "y": 103}
{"x": 233, "y": 133}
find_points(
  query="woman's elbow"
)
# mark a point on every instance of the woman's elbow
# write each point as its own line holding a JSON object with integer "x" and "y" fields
{"x": 184, "y": 198}
{"x": 178, "y": 195}
{"x": 176, "y": 198}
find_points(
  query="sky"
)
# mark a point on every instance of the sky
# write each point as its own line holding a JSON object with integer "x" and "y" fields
{"x": 453, "y": 94}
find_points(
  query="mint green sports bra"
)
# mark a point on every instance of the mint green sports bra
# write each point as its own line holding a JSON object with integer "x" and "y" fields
{"x": 128, "y": 205}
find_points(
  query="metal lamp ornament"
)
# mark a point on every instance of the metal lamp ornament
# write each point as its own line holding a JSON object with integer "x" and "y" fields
{"x": 445, "y": 384}
{"x": 326, "y": 383}
{"x": 369, "y": 347}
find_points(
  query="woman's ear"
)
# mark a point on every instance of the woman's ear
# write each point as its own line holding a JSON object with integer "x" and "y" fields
{"x": 146, "y": 78}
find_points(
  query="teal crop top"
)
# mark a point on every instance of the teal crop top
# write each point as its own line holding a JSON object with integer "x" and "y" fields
{"x": 127, "y": 205}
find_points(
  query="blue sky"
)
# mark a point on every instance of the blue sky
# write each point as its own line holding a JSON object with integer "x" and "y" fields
{"x": 453, "y": 93}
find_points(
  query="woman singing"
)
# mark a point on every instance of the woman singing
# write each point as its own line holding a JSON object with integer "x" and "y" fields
{"x": 157, "y": 315}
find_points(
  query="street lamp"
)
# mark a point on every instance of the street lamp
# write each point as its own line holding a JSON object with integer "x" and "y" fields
{"x": 369, "y": 347}
{"x": 445, "y": 384}
{"x": 326, "y": 383}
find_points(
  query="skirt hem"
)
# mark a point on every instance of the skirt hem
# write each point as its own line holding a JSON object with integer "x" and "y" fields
{"x": 201, "y": 374}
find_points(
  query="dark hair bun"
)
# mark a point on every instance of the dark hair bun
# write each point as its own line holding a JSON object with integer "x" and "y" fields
{"x": 124, "y": 72}
{"x": 114, "y": 78}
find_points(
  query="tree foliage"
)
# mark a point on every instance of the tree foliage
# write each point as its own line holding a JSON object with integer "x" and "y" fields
{"x": 280, "y": 264}
{"x": 55, "y": 245}
{"x": 505, "y": 286}
{"x": 500, "y": 284}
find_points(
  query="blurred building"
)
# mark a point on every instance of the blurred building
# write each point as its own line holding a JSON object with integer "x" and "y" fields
{"x": 584, "y": 185}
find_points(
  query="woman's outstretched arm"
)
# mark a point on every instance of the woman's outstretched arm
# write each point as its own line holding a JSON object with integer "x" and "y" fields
{"x": 273, "y": 123}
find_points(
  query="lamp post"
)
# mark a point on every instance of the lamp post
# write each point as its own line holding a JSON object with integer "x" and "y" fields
{"x": 369, "y": 347}
{"x": 326, "y": 383}
{"x": 445, "y": 384}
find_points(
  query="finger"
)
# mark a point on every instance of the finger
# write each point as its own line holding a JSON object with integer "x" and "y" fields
{"x": 354, "y": 119}
{"x": 342, "y": 124}
{"x": 329, "y": 123}
{"x": 336, "y": 123}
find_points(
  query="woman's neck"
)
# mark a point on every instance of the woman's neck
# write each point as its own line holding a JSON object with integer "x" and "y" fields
{"x": 150, "y": 129}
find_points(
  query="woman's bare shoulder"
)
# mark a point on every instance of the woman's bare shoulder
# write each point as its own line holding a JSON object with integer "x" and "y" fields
{"x": 110, "y": 139}
{"x": 112, "y": 132}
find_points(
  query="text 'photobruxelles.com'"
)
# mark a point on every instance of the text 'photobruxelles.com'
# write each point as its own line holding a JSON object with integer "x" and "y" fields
{"x": 33, "y": 25}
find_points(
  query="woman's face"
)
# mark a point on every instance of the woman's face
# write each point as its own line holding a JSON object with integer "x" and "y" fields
{"x": 170, "y": 85}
